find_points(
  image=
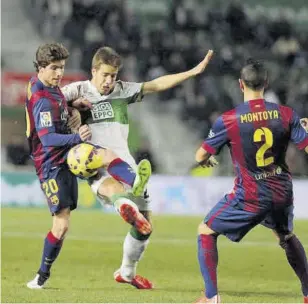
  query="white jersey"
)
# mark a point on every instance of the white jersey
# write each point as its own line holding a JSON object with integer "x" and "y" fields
{"x": 108, "y": 118}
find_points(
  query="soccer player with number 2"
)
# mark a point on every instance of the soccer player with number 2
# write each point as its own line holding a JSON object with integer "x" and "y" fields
{"x": 257, "y": 133}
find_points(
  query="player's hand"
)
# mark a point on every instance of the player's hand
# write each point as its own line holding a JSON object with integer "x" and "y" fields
{"x": 74, "y": 121}
{"x": 203, "y": 64}
{"x": 85, "y": 133}
{"x": 211, "y": 162}
{"x": 82, "y": 104}
{"x": 304, "y": 123}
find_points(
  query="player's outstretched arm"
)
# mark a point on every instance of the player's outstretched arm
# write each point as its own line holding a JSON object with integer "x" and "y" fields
{"x": 169, "y": 81}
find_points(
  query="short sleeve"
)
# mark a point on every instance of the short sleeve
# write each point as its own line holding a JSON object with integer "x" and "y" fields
{"x": 217, "y": 137}
{"x": 72, "y": 91}
{"x": 43, "y": 116}
{"x": 133, "y": 91}
{"x": 299, "y": 135}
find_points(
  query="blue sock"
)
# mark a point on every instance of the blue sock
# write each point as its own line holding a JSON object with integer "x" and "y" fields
{"x": 208, "y": 261}
{"x": 52, "y": 247}
{"x": 122, "y": 171}
{"x": 296, "y": 256}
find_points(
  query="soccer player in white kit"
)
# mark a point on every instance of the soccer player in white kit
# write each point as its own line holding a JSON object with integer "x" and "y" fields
{"x": 108, "y": 120}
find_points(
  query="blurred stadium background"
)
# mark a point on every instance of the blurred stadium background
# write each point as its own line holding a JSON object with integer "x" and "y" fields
{"x": 157, "y": 37}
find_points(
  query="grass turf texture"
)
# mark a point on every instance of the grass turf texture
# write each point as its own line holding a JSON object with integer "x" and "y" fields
{"x": 253, "y": 271}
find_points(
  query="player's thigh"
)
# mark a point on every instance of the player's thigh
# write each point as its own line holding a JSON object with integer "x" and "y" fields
{"x": 61, "y": 190}
{"x": 104, "y": 186}
{"x": 280, "y": 219}
{"x": 143, "y": 203}
{"x": 228, "y": 219}
{"x": 110, "y": 187}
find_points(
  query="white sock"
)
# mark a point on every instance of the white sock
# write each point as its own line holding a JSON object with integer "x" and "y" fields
{"x": 132, "y": 253}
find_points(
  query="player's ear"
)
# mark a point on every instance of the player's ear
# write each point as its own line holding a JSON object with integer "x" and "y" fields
{"x": 41, "y": 69}
{"x": 93, "y": 72}
{"x": 266, "y": 84}
{"x": 241, "y": 85}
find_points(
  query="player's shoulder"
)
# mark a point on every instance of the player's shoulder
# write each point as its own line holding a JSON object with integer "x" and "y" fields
{"x": 81, "y": 86}
{"x": 128, "y": 88}
{"x": 36, "y": 85}
{"x": 76, "y": 89}
{"x": 37, "y": 91}
{"x": 229, "y": 114}
{"x": 285, "y": 108}
{"x": 229, "y": 117}
{"x": 286, "y": 112}
{"x": 122, "y": 84}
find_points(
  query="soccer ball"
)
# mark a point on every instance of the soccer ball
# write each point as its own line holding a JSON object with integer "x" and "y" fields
{"x": 83, "y": 160}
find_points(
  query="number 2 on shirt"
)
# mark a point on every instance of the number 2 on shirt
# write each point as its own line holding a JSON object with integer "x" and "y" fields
{"x": 257, "y": 137}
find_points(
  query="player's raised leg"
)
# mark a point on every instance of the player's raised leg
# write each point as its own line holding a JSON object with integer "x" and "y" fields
{"x": 134, "y": 246}
{"x": 123, "y": 172}
{"x": 85, "y": 160}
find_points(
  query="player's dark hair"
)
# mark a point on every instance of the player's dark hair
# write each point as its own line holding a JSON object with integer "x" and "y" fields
{"x": 48, "y": 53}
{"x": 254, "y": 75}
{"x": 106, "y": 55}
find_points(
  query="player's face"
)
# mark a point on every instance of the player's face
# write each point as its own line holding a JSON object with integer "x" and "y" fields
{"x": 104, "y": 78}
{"x": 52, "y": 74}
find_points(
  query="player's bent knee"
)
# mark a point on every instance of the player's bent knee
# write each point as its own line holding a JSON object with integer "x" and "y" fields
{"x": 284, "y": 239}
{"x": 110, "y": 187}
{"x": 205, "y": 229}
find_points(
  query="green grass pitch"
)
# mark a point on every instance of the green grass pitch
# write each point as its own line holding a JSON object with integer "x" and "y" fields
{"x": 254, "y": 271}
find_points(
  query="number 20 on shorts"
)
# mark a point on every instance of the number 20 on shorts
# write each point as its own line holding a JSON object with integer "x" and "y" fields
{"x": 50, "y": 187}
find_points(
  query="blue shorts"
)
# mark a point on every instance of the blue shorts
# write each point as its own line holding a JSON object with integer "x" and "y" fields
{"x": 60, "y": 189}
{"x": 227, "y": 218}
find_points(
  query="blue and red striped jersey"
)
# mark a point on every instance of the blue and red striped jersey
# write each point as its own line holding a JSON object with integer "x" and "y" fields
{"x": 257, "y": 133}
{"x": 46, "y": 113}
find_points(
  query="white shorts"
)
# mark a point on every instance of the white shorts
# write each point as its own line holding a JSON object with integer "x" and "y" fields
{"x": 142, "y": 203}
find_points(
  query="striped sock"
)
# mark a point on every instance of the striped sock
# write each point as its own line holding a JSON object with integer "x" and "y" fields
{"x": 52, "y": 247}
{"x": 208, "y": 260}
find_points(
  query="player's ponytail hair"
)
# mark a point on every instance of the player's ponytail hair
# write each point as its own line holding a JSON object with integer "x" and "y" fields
{"x": 48, "y": 53}
{"x": 254, "y": 75}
